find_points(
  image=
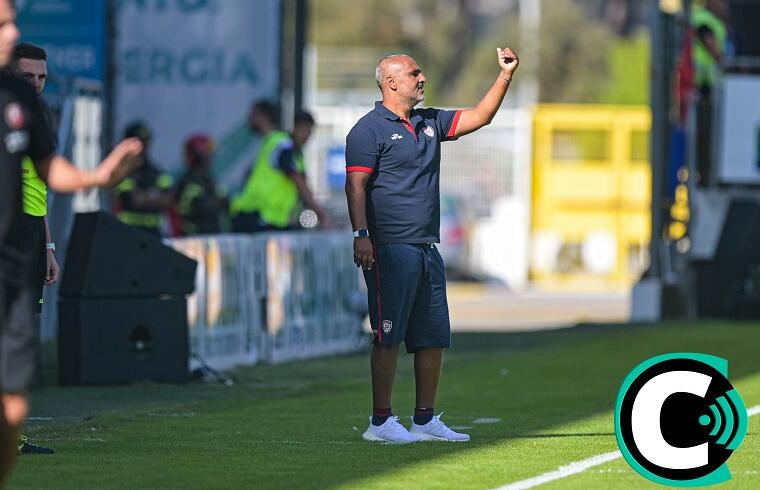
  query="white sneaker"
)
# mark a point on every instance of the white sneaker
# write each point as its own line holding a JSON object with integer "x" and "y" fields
{"x": 436, "y": 430}
{"x": 391, "y": 432}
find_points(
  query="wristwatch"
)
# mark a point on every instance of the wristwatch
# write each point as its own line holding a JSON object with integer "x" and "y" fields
{"x": 50, "y": 246}
{"x": 362, "y": 233}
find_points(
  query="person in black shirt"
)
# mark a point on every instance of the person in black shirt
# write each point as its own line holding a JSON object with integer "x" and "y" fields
{"x": 145, "y": 196}
{"x": 200, "y": 202}
{"x": 23, "y": 131}
{"x": 29, "y": 62}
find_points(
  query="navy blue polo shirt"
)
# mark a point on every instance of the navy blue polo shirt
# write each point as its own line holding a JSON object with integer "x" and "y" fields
{"x": 404, "y": 158}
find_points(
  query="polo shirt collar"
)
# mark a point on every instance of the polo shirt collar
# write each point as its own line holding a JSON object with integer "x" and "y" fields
{"x": 383, "y": 111}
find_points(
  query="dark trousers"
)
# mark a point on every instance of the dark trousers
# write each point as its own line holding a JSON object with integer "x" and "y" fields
{"x": 37, "y": 241}
{"x": 18, "y": 338}
{"x": 252, "y": 223}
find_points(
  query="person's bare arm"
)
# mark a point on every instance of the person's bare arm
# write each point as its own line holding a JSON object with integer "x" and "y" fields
{"x": 308, "y": 198}
{"x": 62, "y": 176}
{"x": 53, "y": 270}
{"x": 356, "y": 194}
{"x": 483, "y": 113}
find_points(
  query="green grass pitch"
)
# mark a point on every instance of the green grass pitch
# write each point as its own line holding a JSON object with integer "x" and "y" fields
{"x": 299, "y": 425}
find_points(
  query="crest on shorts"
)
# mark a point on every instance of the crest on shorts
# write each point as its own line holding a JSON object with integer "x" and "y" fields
{"x": 429, "y": 131}
{"x": 14, "y": 116}
{"x": 387, "y": 326}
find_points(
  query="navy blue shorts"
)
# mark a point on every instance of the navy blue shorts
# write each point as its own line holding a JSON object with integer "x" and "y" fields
{"x": 406, "y": 291}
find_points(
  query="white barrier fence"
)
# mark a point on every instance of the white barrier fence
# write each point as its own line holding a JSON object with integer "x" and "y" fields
{"x": 273, "y": 297}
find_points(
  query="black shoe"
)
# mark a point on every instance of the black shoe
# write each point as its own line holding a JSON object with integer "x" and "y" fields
{"x": 26, "y": 447}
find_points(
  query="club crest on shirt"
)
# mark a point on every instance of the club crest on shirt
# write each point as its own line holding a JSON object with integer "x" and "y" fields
{"x": 387, "y": 326}
{"x": 14, "y": 115}
{"x": 429, "y": 131}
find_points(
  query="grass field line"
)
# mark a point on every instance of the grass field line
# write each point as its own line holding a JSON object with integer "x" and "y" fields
{"x": 579, "y": 466}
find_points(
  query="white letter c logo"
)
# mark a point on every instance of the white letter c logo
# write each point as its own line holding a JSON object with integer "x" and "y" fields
{"x": 645, "y": 420}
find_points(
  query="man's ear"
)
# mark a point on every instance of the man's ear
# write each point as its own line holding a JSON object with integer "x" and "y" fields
{"x": 391, "y": 83}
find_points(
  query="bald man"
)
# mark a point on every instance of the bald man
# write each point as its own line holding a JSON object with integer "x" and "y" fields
{"x": 392, "y": 185}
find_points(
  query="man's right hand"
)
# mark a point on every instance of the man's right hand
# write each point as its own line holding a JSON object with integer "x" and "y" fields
{"x": 120, "y": 163}
{"x": 508, "y": 61}
{"x": 363, "y": 253}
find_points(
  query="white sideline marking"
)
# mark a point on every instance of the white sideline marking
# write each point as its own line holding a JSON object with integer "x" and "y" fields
{"x": 563, "y": 471}
{"x": 579, "y": 466}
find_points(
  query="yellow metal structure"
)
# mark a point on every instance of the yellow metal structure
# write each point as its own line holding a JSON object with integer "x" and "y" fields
{"x": 591, "y": 195}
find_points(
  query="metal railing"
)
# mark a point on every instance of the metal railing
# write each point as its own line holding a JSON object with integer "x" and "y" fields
{"x": 273, "y": 297}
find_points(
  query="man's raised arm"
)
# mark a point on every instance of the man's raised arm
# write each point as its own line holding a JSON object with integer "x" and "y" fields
{"x": 482, "y": 114}
{"x": 62, "y": 176}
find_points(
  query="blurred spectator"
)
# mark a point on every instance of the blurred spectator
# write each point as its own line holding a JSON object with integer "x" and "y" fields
{"x": 143, "y": 197}
{"x": 709, "y": 37}
{"x": 709, "y": 22}
{"x": 200, "y": 202}
{"x": 270, "y": 196}
{"x": 25, "y": 133}
{"x": 303, "y": 126}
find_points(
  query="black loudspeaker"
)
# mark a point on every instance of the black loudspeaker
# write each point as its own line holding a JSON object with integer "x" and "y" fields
{"x": 124, "y": 340}
{"x": 107, "y": 258}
